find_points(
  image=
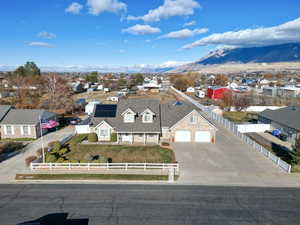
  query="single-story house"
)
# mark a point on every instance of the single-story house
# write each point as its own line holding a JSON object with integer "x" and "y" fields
{"x": 148, "y": 121}
{"x": 286, "y": 119}
{"x": 190, "y": 90}
{"x": 25, "y": 123}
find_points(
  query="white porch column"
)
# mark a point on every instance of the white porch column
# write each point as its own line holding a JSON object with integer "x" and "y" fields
{"x": 118, "y": 138}
{"x": 131, "y": 138}
{"x": 144, "y": 138}
{"x": 157, "y": 138}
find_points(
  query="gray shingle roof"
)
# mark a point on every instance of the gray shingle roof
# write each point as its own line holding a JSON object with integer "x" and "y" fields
{"x": 4, "y": 110}
{"x": 288, "y": 116}
{"x": 138, "y": 106}
{"x": 171, "y": 113}
{"x": 26, "y": 116}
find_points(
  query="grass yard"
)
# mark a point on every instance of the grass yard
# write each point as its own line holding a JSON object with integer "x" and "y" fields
{"x": 92, "y": 177}
{"x": 240, "y": 117}
{"x": 124, "y": 153}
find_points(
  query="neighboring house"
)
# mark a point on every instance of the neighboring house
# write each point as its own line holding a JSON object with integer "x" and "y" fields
{"x": 25, "y": 123}
{"x": 216, "y": 92}
{"x": 190, "y": 90}
{"x": 270, "y": 91}
{"x": 148, "y": 121}
{"x": 290, "y": 92}
{"x": 286, "y": 119}
{"x": 90, "y": 107}
{"x": 77, "y": 87}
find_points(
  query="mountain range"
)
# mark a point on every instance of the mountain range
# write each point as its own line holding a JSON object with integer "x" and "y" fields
{"x": 267, "y": 54}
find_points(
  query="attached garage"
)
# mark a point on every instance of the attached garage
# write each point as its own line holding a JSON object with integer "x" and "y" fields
{"x": 183, "y": 136}
{"x": 203, "y": 136}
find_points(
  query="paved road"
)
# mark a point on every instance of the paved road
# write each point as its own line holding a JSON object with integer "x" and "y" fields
{"x": 149, "y": 205}
{"x": 16, "y": 164}
{"x": 229, "y": 162}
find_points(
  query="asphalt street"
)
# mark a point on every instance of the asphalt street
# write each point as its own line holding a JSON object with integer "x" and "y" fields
{"x": 93, "y": 204}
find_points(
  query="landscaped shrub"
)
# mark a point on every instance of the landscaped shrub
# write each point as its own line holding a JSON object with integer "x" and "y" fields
{"x": 50, "y": 158}
{"x": 50, "y": 144}
{"x": 63, "y": 151}
{"x": 30, "y": 159}
{"x": 60, "y": 160}
{"x": 114, "y": 137}
{"x": 56, "y": 146}
{"x": 92, "y": 137}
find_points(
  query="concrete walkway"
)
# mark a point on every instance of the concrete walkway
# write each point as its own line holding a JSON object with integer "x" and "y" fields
{"x": 16, "y": 164}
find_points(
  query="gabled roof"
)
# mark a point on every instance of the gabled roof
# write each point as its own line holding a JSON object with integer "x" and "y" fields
{"x": 288, "y": 116}
{"x": 128, "y": 110}
{"x": 26, "y": 116}
{"x": 149, "y": 111}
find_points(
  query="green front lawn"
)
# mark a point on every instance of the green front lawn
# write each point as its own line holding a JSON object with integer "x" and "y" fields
{"x": 123, "y": 153}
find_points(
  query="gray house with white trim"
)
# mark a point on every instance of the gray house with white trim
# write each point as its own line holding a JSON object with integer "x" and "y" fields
{"x": 24, "y": 123}
{"x": 148, "y": 121}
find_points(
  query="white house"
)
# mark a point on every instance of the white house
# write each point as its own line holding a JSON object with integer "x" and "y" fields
{"x": 106, "y": 90}
{"x": 100, "y": 87}
{"x": 190, "y": 90}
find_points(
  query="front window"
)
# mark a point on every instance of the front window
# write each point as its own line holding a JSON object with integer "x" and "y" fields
{"x": 104, "y": 133}
{"x": 25, "y": 130}
{"x": 129, "y": 118}
{"x": 147, "y": 118}
{"x": 9, "y": 130}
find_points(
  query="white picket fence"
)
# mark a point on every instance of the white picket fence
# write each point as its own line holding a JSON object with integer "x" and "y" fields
{"x": 257, "y": 128}
{"x": 105, "y": 166}
{"x": 232, "y": 127}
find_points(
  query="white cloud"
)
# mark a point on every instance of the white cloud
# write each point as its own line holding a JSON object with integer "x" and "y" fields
{"x": 141, "y": 30}
{"x": 46, "y": 35}
{"x": 168, "y": 9}
{"x": 188, "y": 24}
{"x": 184, "y": 33}
{"x": 148, "y": 41}
{"x": 40, "y": 44}
{"x": 125, "y": 41}
{"x": 74, "y": 8}
{"x": 285, "y": 33}
{"x": 96, "y": 7}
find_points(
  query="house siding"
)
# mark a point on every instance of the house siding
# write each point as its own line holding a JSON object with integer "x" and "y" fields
{"x": 185, "y": 125}
{"x": 34, "y": 132}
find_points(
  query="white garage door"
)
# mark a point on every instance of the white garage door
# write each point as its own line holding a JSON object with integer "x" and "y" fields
{"x": 202, "y": 136}
{"x": 182, "y": 136}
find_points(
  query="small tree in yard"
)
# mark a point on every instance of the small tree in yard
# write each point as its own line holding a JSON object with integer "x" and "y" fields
{"x": 56, "y": 146}
{"x": 296, "y": 151}
{"x": 92, "y": 137}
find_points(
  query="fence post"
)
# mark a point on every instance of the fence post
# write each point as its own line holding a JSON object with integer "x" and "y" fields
{"x": 144, "y": 166}
{"x": 107, "y": 165}
{"x": 278, "y": 161}
{"x": 50, "y": 166}
{"x": 69, "y": 166}
{"x": 171, "y": 175}
{"x": 31, "y": 167}
{"x": 269, "y": 154}
{"x": 88, "y": 166}
{"x": 290, "y": 168}
{"x": 126, "y": 166}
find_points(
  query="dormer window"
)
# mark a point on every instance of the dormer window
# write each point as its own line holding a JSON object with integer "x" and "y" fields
{"x": 147, "y": 116}
{"x": 129, "y": 116}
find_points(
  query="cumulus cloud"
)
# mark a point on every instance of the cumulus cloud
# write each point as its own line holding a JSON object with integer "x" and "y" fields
{"x": 139, "y": 29}
{"x": 39, "y": 44}
{"x": 96, "y": 7}
{"x": 285, "y": 33}
{"x": 46, "y": 35}
{"x": 184, "y": 33}
{"x": 168, "y": 9}
{"x": 74, "y": 8}
{"x": 188, "y": 24}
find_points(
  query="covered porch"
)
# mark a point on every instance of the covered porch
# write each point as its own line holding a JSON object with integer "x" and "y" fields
{"x": 137, "y": 138}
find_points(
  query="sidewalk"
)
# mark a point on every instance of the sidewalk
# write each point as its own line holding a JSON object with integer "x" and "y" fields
{"x": 9, "y": 168}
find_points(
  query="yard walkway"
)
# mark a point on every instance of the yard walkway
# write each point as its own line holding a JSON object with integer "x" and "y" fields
{"x": 16, "y": 164}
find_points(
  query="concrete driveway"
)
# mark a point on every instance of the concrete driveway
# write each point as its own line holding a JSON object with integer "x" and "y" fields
{"x": 228, "y": 162}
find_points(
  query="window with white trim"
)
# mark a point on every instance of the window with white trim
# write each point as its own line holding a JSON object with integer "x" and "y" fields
{"x": 9, "y": 130}
{"x": 193, "y": 119}
{"x": 104, "y": 132}
{"x": 129, "y": 117}
{"x": 26, "y": 130}
{"x": 147, "y": 118}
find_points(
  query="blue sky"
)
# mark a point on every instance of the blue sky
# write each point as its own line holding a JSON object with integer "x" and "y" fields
{"x": 125, "y": 33}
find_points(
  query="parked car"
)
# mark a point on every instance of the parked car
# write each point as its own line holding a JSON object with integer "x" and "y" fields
{"x": 74, "y": 121}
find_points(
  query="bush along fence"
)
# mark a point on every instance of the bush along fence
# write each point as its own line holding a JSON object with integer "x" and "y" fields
{"x": 233, "y": 128}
